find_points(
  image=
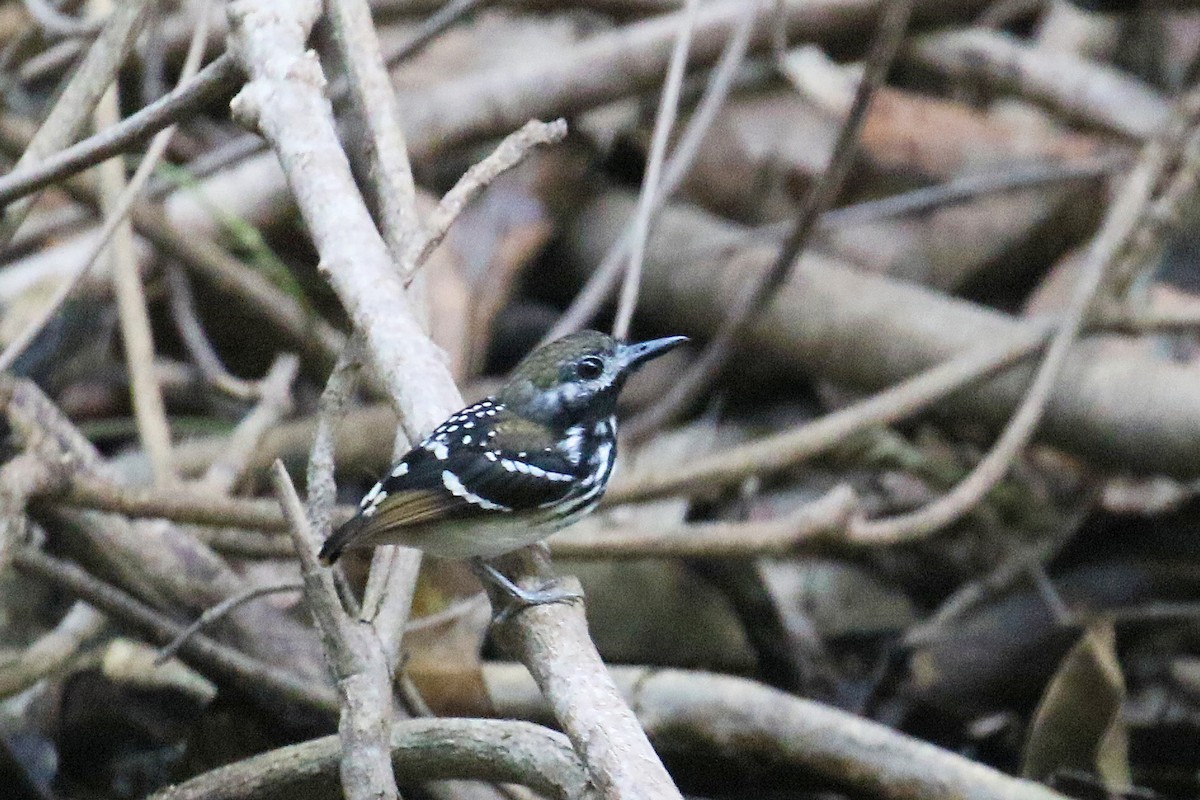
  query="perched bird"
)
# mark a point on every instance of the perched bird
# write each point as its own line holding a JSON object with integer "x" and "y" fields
{"x": 511, "y": 469}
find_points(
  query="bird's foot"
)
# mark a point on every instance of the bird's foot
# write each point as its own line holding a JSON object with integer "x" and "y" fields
{"x": 518, "y": 598}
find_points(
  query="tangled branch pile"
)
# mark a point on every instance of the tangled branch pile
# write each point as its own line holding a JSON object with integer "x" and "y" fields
{"x": 912, "y": 516}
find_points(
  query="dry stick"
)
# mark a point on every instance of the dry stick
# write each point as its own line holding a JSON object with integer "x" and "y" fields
{"x": 191, "y": 331}
{"x": 275, "y": 401}
{"x": 365, "y": 677}
{"x": 600, "y": 283}
{"x": 740, "y": 719}
{"x": 668, "y": 107}
{"x": 890, "y": 33}
{"x": 508, "y": 154}
{"x": 422, "y": 750}
{"x": 54, "y": 59}
{"x": 51, "y": 652}
{"x": 1116, "y": 234}
{"x": 1074, "y": 87}
{"x": 115, "y": 214}
{"x": 75, "y": 104}
{"x": 310, "y": 334}
{"x": 958, "y": 190}
{"x": 182, "y": 503}
{"x": 376, "y": 105}
{"x": 387, "y": 597}
{"x": 433, "y": 26}
{"x": 57, "y": 24}
{"x": 150, "y": 413}
{"x": 212, "y": 82}
{"x": 552, "y": 642}
{"x": 284, "y": 101}
{"x": 252, "y": 676}
{"x": 817, "y": 524}
{"x": 218, "y": 611}
{"x": 774, "y": 453}
{"x": 356, "y": 659}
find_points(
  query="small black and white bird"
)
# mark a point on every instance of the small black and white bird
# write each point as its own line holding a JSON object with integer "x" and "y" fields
{"x": 511, "y": 469}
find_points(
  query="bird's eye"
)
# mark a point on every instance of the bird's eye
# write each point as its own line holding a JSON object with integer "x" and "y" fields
{"x": 590, "y": 368}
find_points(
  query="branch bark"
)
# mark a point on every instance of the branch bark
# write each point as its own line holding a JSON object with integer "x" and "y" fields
{"x": 740, "y": 719}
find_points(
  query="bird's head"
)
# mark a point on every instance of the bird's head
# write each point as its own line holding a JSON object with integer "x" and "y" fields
{"x": 578, "y": 377}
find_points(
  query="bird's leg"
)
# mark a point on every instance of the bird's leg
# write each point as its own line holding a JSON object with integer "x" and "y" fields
{"x": 519, "y": 598}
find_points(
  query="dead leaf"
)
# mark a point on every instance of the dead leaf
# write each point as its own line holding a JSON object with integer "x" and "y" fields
{"x": 1078, "y": 723}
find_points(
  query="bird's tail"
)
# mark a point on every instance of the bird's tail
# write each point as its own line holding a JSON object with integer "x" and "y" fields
{"x": 331, "y": 551}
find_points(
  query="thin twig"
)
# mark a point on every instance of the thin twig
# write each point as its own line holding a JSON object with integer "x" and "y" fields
{"x": 149, "y": 410}
{"x": 431, "y": 27}
{"x": 893, "y": 23}
{"x": 420, "y": 751}
{"x": 275, "y": 392}
{"x": 207, "y": 85}
{"x": 249, "y": 674}
{"x": 509, "y": 153}
{"x": 819, "y": 523}
{"x": 183, "y": 503}
{"x": 600, "y": 283}
{"x": 356, "y": 659}
{"x": 780, "y": 451}
{"x": 668, "y": 107}
{"x": 57, "y": 24}
{"x": 191, "y": 331}
{"x": 966, "y": 188}
{"x": 78, "y": 99}
{"x": 375, "y": 101}
{"x": 1117, "y": 235}
{"x": 53, "y": 651}
{"x": 218, "y": 611}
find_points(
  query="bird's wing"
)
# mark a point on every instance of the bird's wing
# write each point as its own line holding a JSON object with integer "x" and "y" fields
{"x": 435, "y": 484}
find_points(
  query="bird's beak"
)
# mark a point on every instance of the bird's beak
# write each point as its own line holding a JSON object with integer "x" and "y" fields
{"x": 635, "y": 355}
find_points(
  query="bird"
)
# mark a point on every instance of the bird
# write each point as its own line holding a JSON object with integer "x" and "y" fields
{"x": 511, "y": 469}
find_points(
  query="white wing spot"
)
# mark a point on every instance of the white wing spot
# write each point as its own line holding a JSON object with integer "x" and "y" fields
{"x": 439, "y": 450}
{"x": 401, "y": 470}
{"x": 466, "y": 440}
{"x": 468, "y": 425}
{"x": 455, "y": 487}
{"x": 369, "y": 498}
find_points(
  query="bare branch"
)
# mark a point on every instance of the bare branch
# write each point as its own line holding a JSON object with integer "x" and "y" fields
{"x": 668, "y": 107}
{"x": 209, "y": 84}
{"x": 78, "y": 100}
{"x": 375, "y": 101}
{"x": 421, "y": 750}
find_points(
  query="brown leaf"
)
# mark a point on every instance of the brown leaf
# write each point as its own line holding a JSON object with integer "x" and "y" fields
{"x": 1078, "y": 722}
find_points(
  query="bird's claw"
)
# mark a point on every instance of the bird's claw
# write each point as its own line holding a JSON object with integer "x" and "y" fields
{"x": 520, "y": 598}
